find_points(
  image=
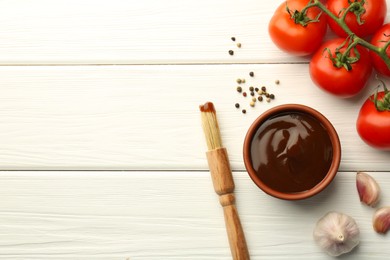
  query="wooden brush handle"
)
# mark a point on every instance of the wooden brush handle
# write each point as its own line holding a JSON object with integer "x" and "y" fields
{"x": 224, "y": 186}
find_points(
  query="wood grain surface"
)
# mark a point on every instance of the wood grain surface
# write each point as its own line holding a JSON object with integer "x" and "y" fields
{"x": 167, "y": 215}
{"x": 147, "y": 117}
{"x": 102, "y": 154}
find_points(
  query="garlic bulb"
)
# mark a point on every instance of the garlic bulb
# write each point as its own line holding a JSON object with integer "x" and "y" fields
{"x": 381, "y": 220}
{"x": 368, "y": 189}
{"x": 336, "y": 233}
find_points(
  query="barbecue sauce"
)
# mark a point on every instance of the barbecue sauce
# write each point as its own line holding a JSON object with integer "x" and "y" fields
{"x": 291, "y": 152}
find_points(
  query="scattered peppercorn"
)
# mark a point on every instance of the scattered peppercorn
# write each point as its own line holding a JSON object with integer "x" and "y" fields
{"x": 233, "y": 39}
{"x": 231, "y": 52}
{"x": 257, "y": 93}
{"x": 239, "y": 45}
{"x": 277, "y": 82}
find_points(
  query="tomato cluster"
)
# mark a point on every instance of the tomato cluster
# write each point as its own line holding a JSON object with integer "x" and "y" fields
{"x": 341, "y": 66}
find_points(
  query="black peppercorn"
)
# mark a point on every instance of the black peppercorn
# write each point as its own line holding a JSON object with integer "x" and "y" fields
{"x": 251, "y": 74}
{"x": 237, "y": 105}
{"x": 239, "y": 89}
{"x": 233, "y": 39}
{"x": 231, "y": 52}
{"x": 243, "y": 111}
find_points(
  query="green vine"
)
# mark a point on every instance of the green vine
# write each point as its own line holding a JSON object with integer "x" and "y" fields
{"x": 357, "y": 8}
{"x": 384, "y": 103}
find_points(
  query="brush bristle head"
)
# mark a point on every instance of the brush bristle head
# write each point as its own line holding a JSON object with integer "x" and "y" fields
{"x": 210, "y": 126}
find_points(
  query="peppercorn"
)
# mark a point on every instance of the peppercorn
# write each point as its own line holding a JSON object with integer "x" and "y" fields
{"x": 272, "y": 96}
{"x": 252, "y": 104}
{"x": 252, "y": 93}
{"x": 231, "y": 52}
{"x": 251, "y": 74}
{"x": 254, "y": 99}
{"x": 263, "y": 88}
{"x": 267, "y": 95}
{"x": 260, "y": 98}
{"x": 243, "y": 80}
{"x": 257, "y": 89}
{"x": 239, "y": 45}
{"x": 244, "y": 94}
{"x": 243, "y": 111}
{"x": 237, "y": 105}
{"x": 251, "y": 88}
{"x": 239, "y": 89}
{"x": 239, "y": 81}
{"x": 268, "y": 99}
{"x": 277, "y": 82}
{"x": 233, "y": 39}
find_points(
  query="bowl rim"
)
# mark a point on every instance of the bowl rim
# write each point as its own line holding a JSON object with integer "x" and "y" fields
{"x": 336, "y": 146}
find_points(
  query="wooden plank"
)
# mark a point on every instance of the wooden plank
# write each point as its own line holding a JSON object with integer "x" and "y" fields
{"x": 147, "y": 117}
{"x": 137, "y": 32}
{"x": 170, "y": 215}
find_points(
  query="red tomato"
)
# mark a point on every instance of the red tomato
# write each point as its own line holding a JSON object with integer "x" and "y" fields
{"x": 379, "y": 39}
{"x": 373, "y": 17}
{"x": 373, "y": 126}
{"x": 295, "y": 38}
{"x": 339, "y": 81}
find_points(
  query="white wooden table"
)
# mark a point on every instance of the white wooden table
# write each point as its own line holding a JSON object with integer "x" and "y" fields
{"x": 101, "y": 146}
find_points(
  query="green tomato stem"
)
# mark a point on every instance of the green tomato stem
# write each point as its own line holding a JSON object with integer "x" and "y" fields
{"x": 381, "y": 51}
{"x": 352, "y": 45}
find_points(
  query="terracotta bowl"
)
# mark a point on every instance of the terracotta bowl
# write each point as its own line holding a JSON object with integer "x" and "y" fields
{"x": 335, "y": 145}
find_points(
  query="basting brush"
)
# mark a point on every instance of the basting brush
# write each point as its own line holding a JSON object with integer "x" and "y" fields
{"x": 223, "y": 183}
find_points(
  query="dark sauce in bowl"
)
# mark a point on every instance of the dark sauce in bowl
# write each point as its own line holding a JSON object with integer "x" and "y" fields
{"x": 291, "y": 152}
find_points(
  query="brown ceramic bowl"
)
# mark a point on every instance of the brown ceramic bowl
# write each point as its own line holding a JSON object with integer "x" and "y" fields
{"x": 333, "y": 160}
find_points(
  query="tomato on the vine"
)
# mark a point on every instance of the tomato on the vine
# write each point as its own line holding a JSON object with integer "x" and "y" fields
{"x": 373, "y": 125}
{"x": 292, "y": 31}
{"x": 379, "y": 39}
{"x": 338, "y": 80}
{"x": 372, "y": 16}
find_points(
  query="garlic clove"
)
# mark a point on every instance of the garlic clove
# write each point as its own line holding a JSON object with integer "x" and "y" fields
{"x": 381, "y": 220}
{"x": 336, "y": 233}
{"x": 368, "y": 189}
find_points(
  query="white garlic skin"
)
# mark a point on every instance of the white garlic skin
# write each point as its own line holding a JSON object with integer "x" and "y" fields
{"x": 336, "y": 233}
{"x": 368, "y": 189}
